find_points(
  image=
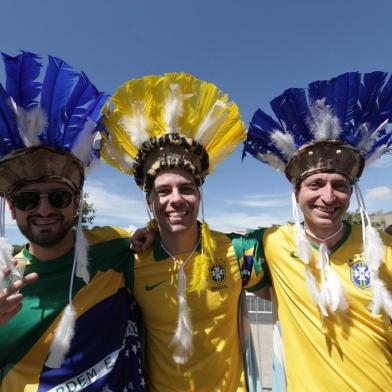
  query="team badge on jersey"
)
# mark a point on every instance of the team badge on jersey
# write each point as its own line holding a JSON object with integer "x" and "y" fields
{"x": 217, "y": 272}
{"x": 360, "y": 274}
{"x": 218, "y": 275}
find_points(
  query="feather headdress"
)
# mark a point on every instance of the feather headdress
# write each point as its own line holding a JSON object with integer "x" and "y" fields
{"x": 47, "y": 128}
{"x": 337, "y": 125}
{"x": 173, "y": 121}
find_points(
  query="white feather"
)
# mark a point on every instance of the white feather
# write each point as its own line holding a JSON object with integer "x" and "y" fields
{"x": 374, "y": 249}
{"x": 182, "y": 339}
{"x": 323, "y": 124}
{"x": 62, "y": 338}
{"x": 212, "y": 122}
{"x": 173, "y": 108}
{"x": 313, "y": 290}
{"x": 136, "y": 125}
{"x": 1, "y": 280}
{"x": 284, "y": 142}
{"x": 272, "y": 160}
{"x": 6, "y": 252}
{"x": 369, "y": 140}
{"x": 302, "y": 244}
{"x": 81, "y": 250}
{"x": 83, "y": 144}
{"x": 376, "y": 154}
{"x": 377, "y": 300}
{"x": 337, "y": 298}
{"x": 31, "y": 124}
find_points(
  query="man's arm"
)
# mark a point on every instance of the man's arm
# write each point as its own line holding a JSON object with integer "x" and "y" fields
{"x": 11, "y": 298}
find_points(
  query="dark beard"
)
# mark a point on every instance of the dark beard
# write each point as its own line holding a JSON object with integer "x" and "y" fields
{"x": 46, "y": 239}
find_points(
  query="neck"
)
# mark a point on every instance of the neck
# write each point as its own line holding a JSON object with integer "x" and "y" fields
{"x": 55, "y": 251}
{"x": 330, "y": 236}
{"x": 177, "y": 243}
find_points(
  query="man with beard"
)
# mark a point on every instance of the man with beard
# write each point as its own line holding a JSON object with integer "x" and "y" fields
{"x": 77, "y": 328}
{"x": 169, "y": 132}
{"x": 332, "y": 281}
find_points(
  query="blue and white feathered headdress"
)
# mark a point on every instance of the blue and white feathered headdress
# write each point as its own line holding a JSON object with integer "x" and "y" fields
{"x": 338, "y": 125}
{"x": 47, "y": 132}
{"x": 351, "y": 110}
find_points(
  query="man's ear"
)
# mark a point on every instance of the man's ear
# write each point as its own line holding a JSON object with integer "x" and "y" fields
{"x": 76, "y": 203}
{"x": 12, "y": 208}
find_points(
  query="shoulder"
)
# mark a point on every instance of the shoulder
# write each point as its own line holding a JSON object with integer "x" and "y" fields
{"x": 97, "y": 235}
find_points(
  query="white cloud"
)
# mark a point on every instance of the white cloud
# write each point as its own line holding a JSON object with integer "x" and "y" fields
{"x": 384, "y": 162}
{"x": 115, "y": 206}
{"x": 380, "y": 193}
{"x": 262, "y": 201}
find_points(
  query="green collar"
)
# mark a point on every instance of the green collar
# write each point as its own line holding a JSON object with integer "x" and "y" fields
{"x": 347, "y": 232}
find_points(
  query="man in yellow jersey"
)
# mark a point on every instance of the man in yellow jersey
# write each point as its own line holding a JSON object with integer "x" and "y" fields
{"x": 170, "y": 132}
{"x": 77, "y": 328}
{"x": 332, "y": 281}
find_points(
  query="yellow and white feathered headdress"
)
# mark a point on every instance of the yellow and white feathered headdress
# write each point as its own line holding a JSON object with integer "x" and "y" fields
{"x": 176, "y": 109}
{"x": 173, "y": 121}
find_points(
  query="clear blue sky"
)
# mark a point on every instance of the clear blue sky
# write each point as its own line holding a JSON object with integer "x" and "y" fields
{"x": 252, "y": 49}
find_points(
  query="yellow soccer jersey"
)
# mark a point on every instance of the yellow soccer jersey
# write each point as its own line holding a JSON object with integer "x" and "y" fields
{"x": 216, "y": 363}
{"x": 343, "y": 352}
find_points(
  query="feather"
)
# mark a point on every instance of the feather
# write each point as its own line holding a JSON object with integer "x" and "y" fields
{"x": 313, "y": 290}
{"x": 182, "y": 338}
{"x": 373, "y": 248}
{"x": 6, "y": 252}
{"x": 377, "y": 291}
{"x": 284, "y": 142}
{"x": 22, "y": 72}
{"x": 345, "y": 96}
{"x": 302, "y": 244}
{"x": 173, "y": 108}
{"x": 337, "y": 298}
{"x": 9, "y": 134}
{"x": 272, "y": 160}
{"x": 291, "y": 108}
{"x": 62, "y": 338}
{"x": 369, "y": 91}
{"x": 210, "y": 125}
{"x": 31, "y": 124}
{"x": 324, "y": 125}
{"x": 136, "y": 125}
{"x": 81, "y": 248}
{"x": 59, "y": 81}
{"x": 83, "y": 144}
{"x": 113, "y": 154}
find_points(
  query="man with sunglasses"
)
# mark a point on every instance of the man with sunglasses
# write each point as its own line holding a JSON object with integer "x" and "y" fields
{"x": 77, "y": 328}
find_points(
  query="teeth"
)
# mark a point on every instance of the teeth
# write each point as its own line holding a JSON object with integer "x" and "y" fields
{"x": 326, "y": 209}
{"x": 44, "y": 221}
{"x": 176, "y": 213}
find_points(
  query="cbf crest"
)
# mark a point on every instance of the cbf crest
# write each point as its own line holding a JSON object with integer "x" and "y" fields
{"x": 360, "y": 274}
{"x": 218, "y": 275}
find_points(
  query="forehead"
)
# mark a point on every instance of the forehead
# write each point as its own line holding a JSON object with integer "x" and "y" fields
{"x": 44, "y": 186}
{"x": 173, "y": 177}
{"x": 325, "y": 177}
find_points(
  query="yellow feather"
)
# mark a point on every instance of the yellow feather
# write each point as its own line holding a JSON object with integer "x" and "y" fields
{"x": 198, "y": 99}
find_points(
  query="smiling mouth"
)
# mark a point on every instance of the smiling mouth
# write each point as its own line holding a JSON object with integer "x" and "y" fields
{"x": 45, "y": 221}
{"x": 176, "y": 214}
{"x": 326, "y": 209}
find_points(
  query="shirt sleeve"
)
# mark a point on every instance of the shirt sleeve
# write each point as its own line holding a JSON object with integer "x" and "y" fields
{"x": 250, "y": 257}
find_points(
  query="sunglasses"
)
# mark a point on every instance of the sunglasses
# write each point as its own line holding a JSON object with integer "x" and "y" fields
{"x": 29, "y": 200}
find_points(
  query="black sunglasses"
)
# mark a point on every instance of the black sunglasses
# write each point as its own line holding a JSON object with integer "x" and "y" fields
{"x": 29, "y": 200}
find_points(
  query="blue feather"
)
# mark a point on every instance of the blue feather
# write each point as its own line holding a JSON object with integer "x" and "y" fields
{"x": 345, "y": 96}
{"x": 9, "y": 134}
{"x": 368, "y": 94}
{"x": 91, "y": 112}
{"x": 22, "y": 72}
{"x": 82, "y": 94}
{"x": 59, "y": 81}
{"x": 320, "y": 89}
